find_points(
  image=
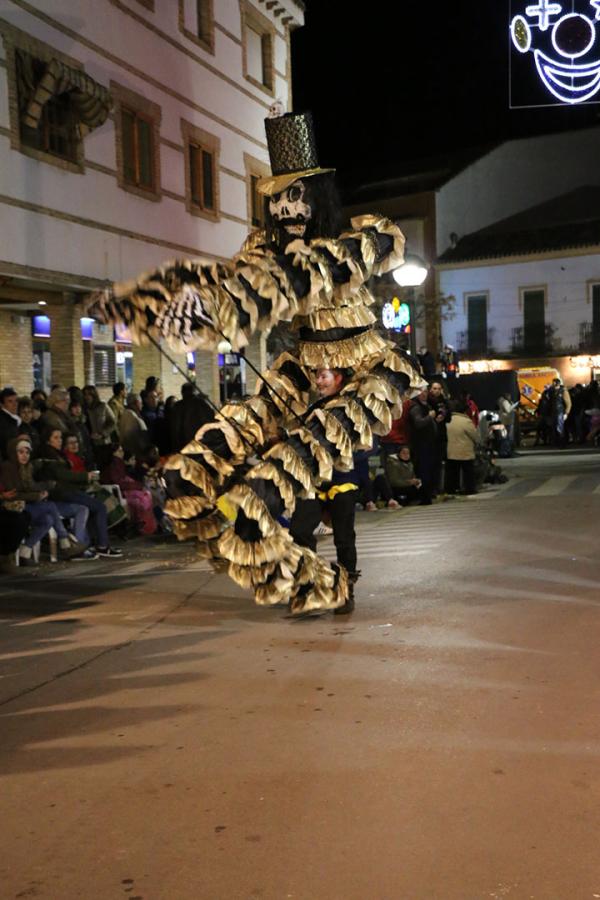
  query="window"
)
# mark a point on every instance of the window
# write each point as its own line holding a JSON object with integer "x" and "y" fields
{"x": 137, "y": 130}
{"x": 204, "y": 18}
{"x": 196, "y": 22}
{"x": 138, "y": 159}
{"x": 52, "y": 103}
{"x": 55, "y": 131}
{"x": 596, "y": 315}
{"x": 255, "y": 170}
{"x": 201, "y": 171}
{"x": 477, "y": 324}
{"x": 258, "y": 35}
{"x": 202, "y": 177}
{"x": 534, "y": 320}
{"x": 257, "y": 216}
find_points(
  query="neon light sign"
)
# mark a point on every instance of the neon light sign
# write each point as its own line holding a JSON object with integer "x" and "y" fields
{"x": 563, "y": 39}
{"x": 396, "y": 316}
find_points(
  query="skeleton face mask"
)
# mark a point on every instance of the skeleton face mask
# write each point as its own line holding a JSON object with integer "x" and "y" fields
{"x": 290, "y": 211}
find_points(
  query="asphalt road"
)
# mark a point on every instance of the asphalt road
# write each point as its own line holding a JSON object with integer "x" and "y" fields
{"x": 163, "y": 738}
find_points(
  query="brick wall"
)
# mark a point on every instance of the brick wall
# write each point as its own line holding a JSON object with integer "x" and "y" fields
{"x": 16, "y": 352}
{"x": 66, "y": 344}
{"x": 146, "y": 362}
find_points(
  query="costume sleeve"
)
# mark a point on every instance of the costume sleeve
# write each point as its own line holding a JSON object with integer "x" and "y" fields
{"x": 195, "y": 304}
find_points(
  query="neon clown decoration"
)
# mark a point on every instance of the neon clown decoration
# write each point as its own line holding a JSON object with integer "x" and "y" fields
{"x": 563, "y": 37}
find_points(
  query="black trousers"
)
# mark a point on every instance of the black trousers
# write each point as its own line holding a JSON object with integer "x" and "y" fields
{"x": 13, "y": 528}
{"x": 382, "y": 488}
{"x": 307, "y": 516}
{"x": 428, "y": 465}
{"x": 454, "y": 468}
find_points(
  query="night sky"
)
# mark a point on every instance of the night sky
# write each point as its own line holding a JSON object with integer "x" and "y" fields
{"x": 416, "y": 80}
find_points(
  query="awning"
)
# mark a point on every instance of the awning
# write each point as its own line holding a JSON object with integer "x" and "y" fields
{"x": 91, "y": 102}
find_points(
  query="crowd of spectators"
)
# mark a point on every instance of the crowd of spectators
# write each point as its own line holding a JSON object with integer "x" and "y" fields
{"x": 568, "y": 416}
{"x": 78, "y": 469}
{"x": 439, "y": 447}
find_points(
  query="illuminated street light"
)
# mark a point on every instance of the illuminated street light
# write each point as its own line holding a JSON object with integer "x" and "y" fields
{"x": 412, "y": 273}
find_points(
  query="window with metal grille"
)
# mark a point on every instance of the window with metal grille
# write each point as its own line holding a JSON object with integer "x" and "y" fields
{"x": 138, "y": 149}
{"x": 202, "y": 177}
{"x": 477, "y": 324}
{"x": 534, "y": 321}
{"x": 104, "y": 365}
{"x": 56, "y": 132}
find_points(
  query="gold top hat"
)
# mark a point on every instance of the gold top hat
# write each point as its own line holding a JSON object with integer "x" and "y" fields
{"x": 293, "y": 152}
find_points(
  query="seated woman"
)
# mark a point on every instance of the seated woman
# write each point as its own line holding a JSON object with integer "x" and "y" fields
{"x": 71, "y": 453}
{"x": 17, "y": 475}
{"x": 148, "y": 471}
{"x": 70, "y": 487}
{"x": 398, "y": 485}
{"x": 139, "y": 499}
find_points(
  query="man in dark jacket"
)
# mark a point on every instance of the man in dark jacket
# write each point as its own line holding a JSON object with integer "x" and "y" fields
{"x": 9, "y": 418}
{"x": 189, "y": 414}
{"x": 439, "y": 402}
{"x": 424, "y": 445}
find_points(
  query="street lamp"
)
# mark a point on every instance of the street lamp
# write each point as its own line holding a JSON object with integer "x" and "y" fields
{"x": 412, "y": 273}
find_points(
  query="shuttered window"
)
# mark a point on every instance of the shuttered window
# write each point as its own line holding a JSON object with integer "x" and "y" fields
{"x": 477, "y": 324}
{"x": 202, "y": 177}
{"x": 534, "y": 321}
{"x": 596, "y": 314}
{"x": 138, "y": 149}
{"x": 104, "y": 365}
{"x": 256, "y": 203}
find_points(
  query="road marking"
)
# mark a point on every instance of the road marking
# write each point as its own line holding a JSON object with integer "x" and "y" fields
{"x": 553, "y": 486}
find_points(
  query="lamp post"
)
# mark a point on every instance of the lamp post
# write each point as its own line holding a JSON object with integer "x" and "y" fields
{"x": 410, "y": 275}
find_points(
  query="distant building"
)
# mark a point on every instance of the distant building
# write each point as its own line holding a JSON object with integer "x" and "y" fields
{"x": 131, "y": 132}
{"x": 450, "y": 207}
{"x": 527, "y": 288}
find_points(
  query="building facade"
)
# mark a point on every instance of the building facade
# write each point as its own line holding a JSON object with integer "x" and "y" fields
{"x": 442, "y": 203}
{"x": 131, "y": 132}
{"x": 527, "y": 290}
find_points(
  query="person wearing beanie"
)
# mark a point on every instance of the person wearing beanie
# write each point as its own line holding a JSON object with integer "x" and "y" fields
{"x": 16, "y": 474}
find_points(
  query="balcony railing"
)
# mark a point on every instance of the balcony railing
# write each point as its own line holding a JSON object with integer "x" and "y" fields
{"x": 534, "y": 344}
{"x": 589, "y": 336}
{"x": 475, "y": 349}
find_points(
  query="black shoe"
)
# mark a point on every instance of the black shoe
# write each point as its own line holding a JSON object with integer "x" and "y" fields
{"x": 346, "y": 609}
{"x": 85, "y": 556}
{"x": 348, "y": 606}
{"x": 110, "y": 552}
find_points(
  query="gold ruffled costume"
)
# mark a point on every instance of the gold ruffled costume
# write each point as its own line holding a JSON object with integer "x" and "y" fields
{"x": 256, "y": 292}
{"x": 230, "y": 505}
